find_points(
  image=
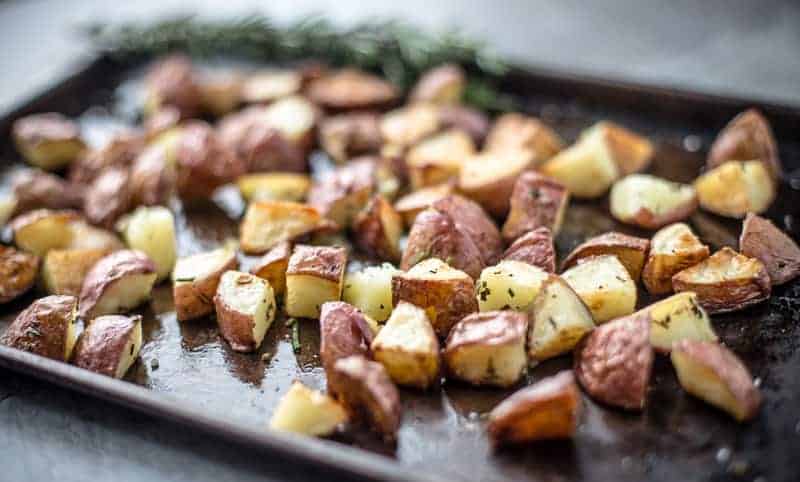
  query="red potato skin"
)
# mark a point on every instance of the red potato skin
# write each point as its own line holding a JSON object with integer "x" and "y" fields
{"x": 343, "y": 332}
{"x": 630, "y": 250}
{"x": 535, "y": 202}
{"x": 237, "y": 328}
{"x": 345, "y": 182}
{"x": 492, "y": 328}
{"x": 197, "y": 299}
{"x": 472, "y": 121}
{"x": 38, "y": 128}
{"x": 204, "y": 163}
{"x": 324, "y": 262}
{"x": 470, "y": 217}
{"x": 272, "y": 267}
{"x": 109, "y": 197}
{"x": 99, "y": 349}
{"x": 108, "y": 271}
{"x": 119, "y": 152}
{"x": 763, "y": 240}
{"x": 646, "y": 219}
{"x": 35, "y": 189}
{"x": 747, "y": 136}
{"x": 153, "y": 181}
{"x": 535, "y": 248}
{"x": 18, "y": 271}
{"x": 41, "y": 327}
{"x": 614, "y": 362}
{"x": 369, "y": 233}
{"x": 172, "y": 82}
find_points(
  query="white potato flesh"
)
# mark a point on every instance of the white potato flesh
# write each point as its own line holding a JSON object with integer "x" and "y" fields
{"x": 253, "y": 299}
{"x": 439, "y": 158}
{"x": 736, "y": 188}
{"x": 131, "y": 350}
{"x": 586, "y": 169}
{"x": 267, "y": 223}
{"x": 42, "y": 235}
{"x": 604, "y": 285}
{"x": 307, "y": 412}
{"x": 490, "y": 364}
{"x": 486, "y": 168}
{"x": 293, "y": 117}
{"x": 409, "y": 125}
{"x": 269, "y": 85}
{"x": 679, "y": 317}
{"x": 408, "y": 348}
{"x": 305, "y": 294}
{"x": 370, "y": 290}
{"x": 509, "y": 285}
{"x": 86, "y": 236}
{"x": 659, "y": 197}
{"x": 125, "y": 294}
{"x": 201, "y": 265}
{"x": 274, "y": 186}
{"x": 151, "y": 230}
{"x": 7, "y": 205}
{"x": 558, "y": 321}
{"x": 72, "y": 333}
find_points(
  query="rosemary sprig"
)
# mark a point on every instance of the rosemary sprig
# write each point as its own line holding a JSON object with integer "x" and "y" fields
{"x": 294, "y": 324}
{"x": 394, "y": 49}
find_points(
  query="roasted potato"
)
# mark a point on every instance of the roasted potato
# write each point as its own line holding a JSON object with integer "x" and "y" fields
{"x": 365, "y": 389}
{"x": 439, "y": 158}
{"x": 118, "y": 282}
{"x": 272, "y": 267}
{"x": 203, "y": 162}
{"x": 472, "y": 220}
{"x": 488, "y": 348}
{"x": 466, "y": 119}
{"x": 195, "y": 280}
{"x": 586, "y": 169}
{"x": 736, "y": 188}
{"x": 747, "y": 136}
{"x": 269, "y": 223}
{"x": 344, "y": 330}
{"x": 519, "y": 133}
{"x": 43, "y": 229}
{"x": 558, "y": 320}
{"x": 8, "y": 204}
{"x": 445, "y": 293}
{"x": 109, "y": 345}
{"x": 548, "y": 409}
{"x": 35, "y": 189}
{"x": 18, "y": 272}
{"x": 630, "y": 250}
{"x": 535, "y": 248}
{"x": 651, "y": 202}
{"x": 444, "y": 84}
{"x": 307, "y": 412}
{"x": 245, "y": 307}
{"x": 377, "y": 230}
{"x": 85, "y": 236}
{"x": 49, "y": 141}
{"x": 154, "y": 174}
{"x": 64, "y": 270}
{"x": 535, "y": 202}
{"x": 172, "y": 82}
{"x": 604, "y": 285}
{"x": 672, "y": 249}
{"x": 351, "y": 89}
{"x": 274, "y": 186}
{"x": 489, "y": 178}
{"x": 151, "y": 230}
{"x": 408, "y": 348}
{"x": 267, "y": 86}
{"x": 713, "y": 373}
{"x": 108, "y": 197}
{"x": 509, "y": 285}
{"x": 413, "y": 203}
{"x": 725, "y": 281}
{"x": 345, "y": 136}
{"x": 119, "y": 151}
{"x": 46, "y": 328}
{"x": 762, "y": 240}
{"x": 344, "y": 192}
{"x": 614, "y": 362}
{"x": 315, "y": 274}
{"x": 371, "y": 290}
{"x": 679, "y": 317}
{"x": 221, "y": 91}
{"x": 630, "y": 151}
{"x": 408, "y": 125}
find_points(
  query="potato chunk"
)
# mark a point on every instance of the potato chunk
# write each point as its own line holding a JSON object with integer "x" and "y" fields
{"x": 417, "y": 201}
{"x": 203, "y": 162}
{"x": 444, "y": 84}
{"x": 736, "y": 188}
{"x": 747, "y": 136}
{"x": 345, "y": 136}
{"x": 408, "y": 125}
{"x": 604, "y": 285}
{"x": 220, "y": 91}
{"x": 630, "y": 151}
{"x": 408, "y": 348}
{"x": 8, "y": 203}
{"x": 762, "y": 240}
{"x": 672, "y": 249}
{"x": 267, "y": 86}
{"x": 268, "y": 223}
{"x": 445, "y": 293}
{"x": 488, "y": 348}
{"x": 195, "y": 281}
{"x": 274, "y": 186}
{"x": 679, "y": 317}
{"x": 548, "y": 409}
{"x": 118, "y": 282}
{"x": 344, "y": 192}
{"x": 108, "y": 197}
{"x": 439, "y": 158}
{"x": 614, "y": 363}
{"x": 630, "y": 250}
{"x": 536, "y": 202}
{"x": 350, "y": 89}
{"x": 714, "y": 374}
{"x": 272, "y": 267}
{"x": 436, "y": 235}
{"x": 315, "y": 274}
{"x": 64, "y": 270}
{"x": 36, "y": 189}
{"x": 371, "y": 290}
{"x": 49, "y": 141}
{"x": 42, "y": 230}
{"x": 509, "y": 285}
{"x": 46, "y": 328}
{"x": 266, "y": 142}
{"x": 587, "y": 169}
{"x": 365, "y": 389}
{"x": 489, "y": 178}
{"x": 245, "y": 306}
{"x": 377, "y": 230}
{"x": 517, "y": 132}
{"x": 651, "y": 202}
{"x": 18, "y": 272}
{"x": 151, "y": 230}
{"x": 344, "y": 331}
{"x": 307, "y": 412}
{"x": 470, "y": 218}
{"x": 558, "y": 320}
{"x": 535, "y": 248}
{"x": 725, "y": 281}
{"x": 109, "y": 345}
{"x": 172, "y": 82}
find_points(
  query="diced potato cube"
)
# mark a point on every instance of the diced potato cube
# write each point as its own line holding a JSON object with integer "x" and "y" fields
{"x": 46, "y": 328}
{"x": 536, "y": 202}
{"x": 274, "y": 186}
{"x": 344, "y": 331}
{"x": 763, "y": 240}
{"x": 245, "y": 306}
{"x": 630, "y": 151}
{"x": 439, "y": 158}
{"x": 42, "y": 230}
{"x": 18, "y": 271}
{"x": 151, "y": 230}
{"x": 377, "y": 230}
{"x": 747, "y": 136}
{"x": 630, "y": 250}
{"x": 604, "y": 285}
{"x": 417, "y": 201}
{"x": 679, "y": 317}
{"x": 116, "y": 283}
{"x": 344, "y": 192}
{"x": 519, "y": 132}
{"x": 64, "y": 270}
{"x": 109, "y": 345}
{"x": 651, "y": 202}
{"x": 410, "y": 124}
{"x": 736, "y": 188}
{"x": 307, "y": 412}
{"x": 196, "y": 279}
{"x": 371, "y": 290}
{"x": 509, "y": 285}
{"x": 49, "y": 141}
{"x": 315, "y": 275}
{"x": 587, "y": 169}
{"x": 536, "y": 248}
{"x": 672, "y": 249}
{"x": 268, "y": 223}
{"x": 272, "y": 267}
{"x": 558, "y": 320}
{"x": 488, "y": 178}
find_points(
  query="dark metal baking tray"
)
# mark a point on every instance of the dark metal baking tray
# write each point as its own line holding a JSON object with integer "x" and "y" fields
{"x": 200, "y": 382}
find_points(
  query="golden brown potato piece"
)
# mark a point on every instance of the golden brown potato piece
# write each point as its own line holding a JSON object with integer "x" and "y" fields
{"x": 343, "y": 331}
{"x": 274, "y": 186}
{"x": 736, "y": 188}
{"x": 679, "y": 317}
{"x": 614, "y": 363}
{"x": 747, "y": 136}
{"x": 489, "y": 178}
{"x": 558, "y": 320}
{"x": 195, "y": 280}
{"x": 118, "y": 282}
{"x": 535, "y": 248}
{"x": 605, "y": 285}
{"x": 520, "y": 133}
{"x": 49, "y": 141}
{"x": 370, "y": 290}
{"x": 315, "y": 275}
{"x": 651, "y": 202}
{"x": 35, "y": 189}
{"x": 344, "y": 192}
{"x": 762, "y": 240}
{"x": 439, "y": 158}
{"x": 64, "y": 270}
{"x": 713, "y": 373}
{"x": 725, "y": 281}
{"x": 8, "y": 204}
{"x": 350, "y": 89}
{"x": 272, "y": 267}
{"x": 151, "y": 230}
{"x": 109, "y": 345}
{"x": 366, "y": 390}
{"x": 436, "y": 235}
{"x": 536, "y": 201}
{"x": 109, "y": 197}
{"x": 377, "y": 230}
{"x": 408, "y": 125}
{"x": 549, "y": 409}
{"x": 413, "y": 203}
{"x": 472, "y": 220}
{"x": 46, "y": 328}
{"x": 203, "y": 162}
{"x": 269, "y": 223}
{"x": 245, "y": 307}
{"x": 18, "y": 272}
{"x": 119, "y": 151}
{"x": 466, "y": 119}
{"x": 346, "y": 136}
{"x": 86, "y": 236}
{"x": 587, "y": 169}
{"x": 444, "y": 84}
{"x": 509, "y": 285}
{"x": 672, "y": 249}
{"x": 43, "y": 229}
{"x": 630, "y": 250}
{"x": 171, "y": 82}
{"x": 307, "y": 412}
{"x": 221, "y": 91}
{"x": 488, "y": 348}
{"x": 630, "y": 151}
{"x": 267, "y": 86}
{"x": 445, "y": 293}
